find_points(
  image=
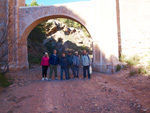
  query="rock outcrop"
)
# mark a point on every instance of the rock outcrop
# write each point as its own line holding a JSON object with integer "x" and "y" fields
{"x": 58, "y": 30}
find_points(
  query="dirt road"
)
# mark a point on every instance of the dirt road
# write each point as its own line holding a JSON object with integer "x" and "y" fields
{"x": 116, "y": 93}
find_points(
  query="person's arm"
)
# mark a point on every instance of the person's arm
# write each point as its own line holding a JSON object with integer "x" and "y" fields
{"x": 42, "y": 62}
{"x": 58, "y": 59}
{"x": 50, "y": 58}
{"x": 73, "y": 60}
{"x": 81, "y": 60}
{"x": 48, "y": 61}
{"x": 60, "y": 62}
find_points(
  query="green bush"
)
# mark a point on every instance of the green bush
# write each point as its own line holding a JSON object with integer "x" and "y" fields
{"x": 142, "y": 71}
{"x": 132, "y": 73}
{"x": 4, "y": 82}
{"x": 35, "y": 60}
{"x": 118, "y": 68}
{"x": 139, "y": 70}
{"x": 132, "y": 61}
{"x": 122, "y": 58}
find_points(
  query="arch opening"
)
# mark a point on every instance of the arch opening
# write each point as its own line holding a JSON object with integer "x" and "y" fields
{"x": 48, "y": 46}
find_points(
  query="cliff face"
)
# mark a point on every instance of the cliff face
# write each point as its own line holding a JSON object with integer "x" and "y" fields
{"x": 60, "y": 31}
{"x": 135, "y": 29}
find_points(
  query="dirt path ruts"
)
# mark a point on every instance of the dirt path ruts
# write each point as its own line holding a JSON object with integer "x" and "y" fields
{"x": 102, "y": 94}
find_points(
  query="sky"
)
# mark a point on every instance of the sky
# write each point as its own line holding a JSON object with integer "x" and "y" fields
{"x": 52, "y": 2}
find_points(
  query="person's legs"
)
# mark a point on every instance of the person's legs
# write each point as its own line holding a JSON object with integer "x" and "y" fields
{"x": 89, "y": 76}
{"x": 46, "y": 68}
{"x": 74, "y": 71}
{"x": 68, "y": 68}
{"x": 66, "y": 74}
{"x": 55, "y": 70}
{"x": 84, "y": 71}
{"x": 77, "y": 71}
{"x": 61, "y": 76}
{"x": 43, "y": 71}
{"x": 51, "y": 71}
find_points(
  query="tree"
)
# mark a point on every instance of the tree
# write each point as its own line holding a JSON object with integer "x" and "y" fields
{"x": 34, "y": 3}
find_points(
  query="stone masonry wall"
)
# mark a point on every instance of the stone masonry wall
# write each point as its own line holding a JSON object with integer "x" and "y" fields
{"x": 3, "y": 30}
{"x": 135, "y": 27}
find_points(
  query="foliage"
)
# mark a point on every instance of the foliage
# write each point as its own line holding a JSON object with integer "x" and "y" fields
{"x": 4, "y": 82}
{"x": 74, "y": 24}
{"x": 118, "y": 68}
{"x": 142, "y": 71}
{"x": 122, "y": 58}
{"x": 34, "y": 3}
{"x": 70, "y": 23}
{"x": 131, "y": 61}
{"x": 34, "y": 60}
{"x": 48, "y": 25}
{"x": 38, "y": 33}
{"x": 132, "y": 73}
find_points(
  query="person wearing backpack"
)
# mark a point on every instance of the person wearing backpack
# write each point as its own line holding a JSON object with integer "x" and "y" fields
{"x": 86, "y": 62}
{"x": 70, "y": 63}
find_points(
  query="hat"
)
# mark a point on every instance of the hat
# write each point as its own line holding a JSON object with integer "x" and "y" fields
{"x": 46, "y": 53}
{"x": 76, "y": 52}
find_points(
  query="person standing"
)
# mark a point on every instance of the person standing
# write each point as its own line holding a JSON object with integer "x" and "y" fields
{"x": 86, "y": 62}
{"x": 53, "y": 61}
{"x": 63, "y": 63}
{"x": 76, "y": 63}
{"x": 70, "y": 63}
{"x": 45, "y": 64}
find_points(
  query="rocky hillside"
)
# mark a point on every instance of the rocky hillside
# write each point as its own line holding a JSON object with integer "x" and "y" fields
{"x": 65, "y": 38}
{"x": 58, "y": 34}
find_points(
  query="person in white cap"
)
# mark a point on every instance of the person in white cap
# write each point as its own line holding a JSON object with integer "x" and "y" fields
{"x": 76, "y": 63}
{"x": 45, "y": 64}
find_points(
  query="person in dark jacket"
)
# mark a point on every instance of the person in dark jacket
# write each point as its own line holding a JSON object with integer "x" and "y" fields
{"x": 53, "y": 61}
{"x": 70, "y": 63}
{"x": 63, "y": 63}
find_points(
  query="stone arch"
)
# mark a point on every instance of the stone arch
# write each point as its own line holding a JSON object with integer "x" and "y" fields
{"x": 22, "y": 42}
{"x": 40, "y": 20}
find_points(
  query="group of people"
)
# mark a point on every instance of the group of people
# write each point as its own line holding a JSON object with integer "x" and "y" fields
{"x": 66, "y": 63}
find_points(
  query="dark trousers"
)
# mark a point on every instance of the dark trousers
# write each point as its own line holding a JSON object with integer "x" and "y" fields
{"x": 44, "y": 71}
{"x": 61, "y": 76}
{"x": 53, "y": 68}
{"x": 86, "y": 69}
{"x": 76, "y": 71}
{"x": 68, "y": 68}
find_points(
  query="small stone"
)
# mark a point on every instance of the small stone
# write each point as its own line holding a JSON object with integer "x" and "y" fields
{"x": 109, "y": 90}
{"x": 55, "y": 108}
{"x": 39, "y": 89}
{"x": 95, "y": 104}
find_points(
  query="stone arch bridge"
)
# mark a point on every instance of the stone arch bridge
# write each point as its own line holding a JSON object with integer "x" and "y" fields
{"x": 99, "y": 17}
